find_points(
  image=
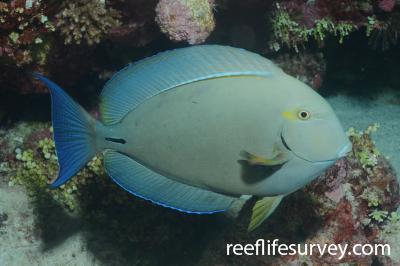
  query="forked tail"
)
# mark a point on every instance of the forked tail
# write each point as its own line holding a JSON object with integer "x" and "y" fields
{"x": 74, "y": 131}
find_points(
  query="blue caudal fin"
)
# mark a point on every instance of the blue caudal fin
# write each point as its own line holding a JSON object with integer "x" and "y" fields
{"x": 74, "y": 131}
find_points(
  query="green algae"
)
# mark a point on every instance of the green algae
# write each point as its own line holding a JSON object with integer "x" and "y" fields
{"x": 286, "y": 31}
{"x": 364, "y": 149}
{"x": 37, "y": 166}
{"x": 378, "y": 215}
{"x": 371, "y": 197}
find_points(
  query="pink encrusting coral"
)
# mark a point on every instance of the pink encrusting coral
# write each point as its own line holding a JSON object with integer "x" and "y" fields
{"x": 386, "y": 5}
{"x": 186, "y": 20}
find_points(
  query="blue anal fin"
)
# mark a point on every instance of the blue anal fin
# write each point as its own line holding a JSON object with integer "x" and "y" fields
{"x": 147, "y": 184}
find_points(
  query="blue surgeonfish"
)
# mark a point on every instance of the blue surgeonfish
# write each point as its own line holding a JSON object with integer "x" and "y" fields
{"x": 195, "y": 129}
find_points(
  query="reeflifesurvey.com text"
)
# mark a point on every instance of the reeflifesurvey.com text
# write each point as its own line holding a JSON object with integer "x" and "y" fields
{"x": 264, "y": 247}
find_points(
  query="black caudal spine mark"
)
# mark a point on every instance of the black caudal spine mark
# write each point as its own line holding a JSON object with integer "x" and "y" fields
{"x": 120, "y": 141}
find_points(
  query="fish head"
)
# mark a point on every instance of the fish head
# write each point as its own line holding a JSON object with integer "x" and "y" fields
{"x": 311, "y": 129}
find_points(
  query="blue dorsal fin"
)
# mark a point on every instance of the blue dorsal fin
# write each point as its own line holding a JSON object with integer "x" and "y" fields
{"x": 148, "y": 77}
{"x": 147, "y": 184}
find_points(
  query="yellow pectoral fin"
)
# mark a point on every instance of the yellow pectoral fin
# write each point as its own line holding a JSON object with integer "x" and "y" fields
{"x": 258, "y": 160}
{"x": 262, "y": 210}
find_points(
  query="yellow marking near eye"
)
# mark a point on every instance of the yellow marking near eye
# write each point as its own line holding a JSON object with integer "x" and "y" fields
{"x": 289, "y": 115}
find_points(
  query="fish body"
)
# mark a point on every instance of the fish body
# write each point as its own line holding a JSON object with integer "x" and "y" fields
{"x": 175, "y": 126}
{"x": 194, "y": 134}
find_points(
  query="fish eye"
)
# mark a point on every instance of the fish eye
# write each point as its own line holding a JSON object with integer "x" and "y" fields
{"x": 304, "y": 115}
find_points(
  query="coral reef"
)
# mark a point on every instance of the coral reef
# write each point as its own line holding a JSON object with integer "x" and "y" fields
{"x": 30, "y": 39}
{"x": 23, "y": 32}
{"x": 358, "y": 197}
{"x": 24, "y": 40}
{"x": 186, "y": 20}
{"x": 93, "y": 29}
{"x": 87, "y": 20}
{"x": 296, "y": 22}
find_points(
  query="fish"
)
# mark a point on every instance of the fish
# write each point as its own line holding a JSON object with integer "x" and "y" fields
{"x": 196, "y": 129}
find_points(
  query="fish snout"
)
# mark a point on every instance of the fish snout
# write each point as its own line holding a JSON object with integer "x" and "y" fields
{"x": 342, "y": 152}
